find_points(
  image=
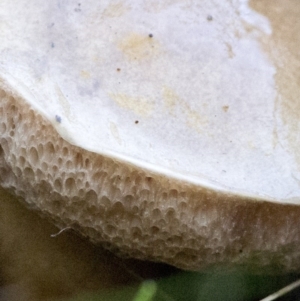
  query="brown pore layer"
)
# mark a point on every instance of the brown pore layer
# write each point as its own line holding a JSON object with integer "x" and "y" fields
{"x": 135, "y": 212}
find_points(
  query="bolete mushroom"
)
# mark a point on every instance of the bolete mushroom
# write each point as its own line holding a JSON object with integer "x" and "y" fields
{"x": 165, "y": 130}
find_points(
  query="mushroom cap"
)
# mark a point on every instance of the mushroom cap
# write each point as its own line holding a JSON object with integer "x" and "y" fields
{"x": 166, "y": 130}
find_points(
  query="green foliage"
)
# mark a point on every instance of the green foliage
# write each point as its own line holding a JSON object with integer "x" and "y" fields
{"x": 191, "y": 286}
{"x": 146, "y": 292}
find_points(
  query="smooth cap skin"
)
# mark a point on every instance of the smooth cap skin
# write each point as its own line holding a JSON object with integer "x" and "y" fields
{"x": 166, "y": 130}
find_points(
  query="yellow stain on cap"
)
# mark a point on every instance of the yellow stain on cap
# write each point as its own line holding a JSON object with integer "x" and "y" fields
{"x": 139, "y": 47}
{"x": 139, "y": 105}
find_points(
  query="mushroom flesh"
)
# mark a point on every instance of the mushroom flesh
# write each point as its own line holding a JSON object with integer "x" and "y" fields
{"x": 164, "y": 130}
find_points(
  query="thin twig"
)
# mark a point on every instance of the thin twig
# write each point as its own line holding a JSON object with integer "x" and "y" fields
{"x": 283, "y": 291}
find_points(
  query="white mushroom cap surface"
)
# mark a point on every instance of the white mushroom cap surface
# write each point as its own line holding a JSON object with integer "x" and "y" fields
{"x": 166, "y": 130}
